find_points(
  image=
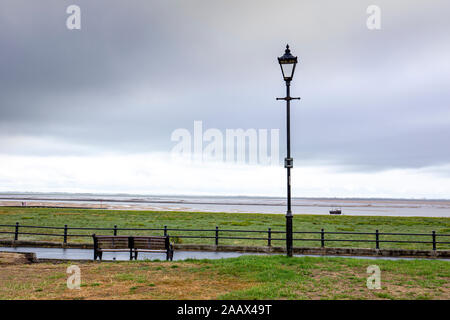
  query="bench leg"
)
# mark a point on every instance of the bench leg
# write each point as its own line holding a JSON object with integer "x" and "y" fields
{"x": 169, "y": 255}
{"x": 135, "y": 255}
{"x": 131, "y": 254}
{"x": 100, "y": 254}
{"x": 95, "y": 255}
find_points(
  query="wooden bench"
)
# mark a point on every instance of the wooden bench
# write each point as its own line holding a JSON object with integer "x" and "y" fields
{"x": 132, "y": 244}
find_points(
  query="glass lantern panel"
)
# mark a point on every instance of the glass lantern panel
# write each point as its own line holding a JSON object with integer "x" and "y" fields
{"x": 287, "y": 69}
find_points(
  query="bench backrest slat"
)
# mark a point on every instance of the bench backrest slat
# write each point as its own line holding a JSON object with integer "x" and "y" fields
{"x": 150, "y": 243}
{"x": 138, "y": 242}
{"x": 111, "y": 243}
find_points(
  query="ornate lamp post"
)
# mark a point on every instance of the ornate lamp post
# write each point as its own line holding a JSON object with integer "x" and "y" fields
{"x": 287, "y": 63}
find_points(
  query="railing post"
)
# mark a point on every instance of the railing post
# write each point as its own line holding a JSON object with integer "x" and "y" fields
{"x": 16, "y": 233}
{"x": 377, "y": 239}
{"x": 65, "y": 234}
{"x": 322, "y": 238}
{"x": 131, "y": 246}
{"x": 115, "y": 230}
{"x": 165, "y": 231}
{"x": 217, "y": 236}
{"x": 95, "y": 246}
{"x": 269, "y": 237}
{"x": 433, "y": 234}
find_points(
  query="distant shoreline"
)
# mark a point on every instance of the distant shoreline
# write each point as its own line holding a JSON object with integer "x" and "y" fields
{"x": 386, "y": 207}
{"x": 100, "y": 196}
{"x": 328, "y": 202}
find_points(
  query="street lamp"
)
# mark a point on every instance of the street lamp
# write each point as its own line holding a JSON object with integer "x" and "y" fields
{"x": 287, "y": 63}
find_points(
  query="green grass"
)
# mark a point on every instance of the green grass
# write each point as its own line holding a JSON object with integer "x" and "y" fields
{"x": 235, "y": 221}
{"x": 279, "y": 277}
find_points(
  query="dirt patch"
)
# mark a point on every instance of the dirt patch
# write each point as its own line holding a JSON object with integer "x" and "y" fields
{"x": 11, "y": 258}
{"x": 115, "y": 281}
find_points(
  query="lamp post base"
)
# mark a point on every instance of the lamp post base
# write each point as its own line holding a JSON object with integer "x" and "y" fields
{"x": 289, "y": 240}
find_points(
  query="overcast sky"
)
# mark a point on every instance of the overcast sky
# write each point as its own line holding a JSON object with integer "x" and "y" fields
{"x": 92, "y": 110}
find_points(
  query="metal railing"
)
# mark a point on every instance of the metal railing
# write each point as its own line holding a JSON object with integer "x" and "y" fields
{"x": 216, "y": 234}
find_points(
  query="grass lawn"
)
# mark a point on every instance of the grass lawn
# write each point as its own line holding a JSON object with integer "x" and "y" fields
{"x": 246, "y": 277}
{"x": 197, "y": 220}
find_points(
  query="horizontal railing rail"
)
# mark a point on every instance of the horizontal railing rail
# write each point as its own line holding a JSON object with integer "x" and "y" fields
{"x": 18, "y": 229}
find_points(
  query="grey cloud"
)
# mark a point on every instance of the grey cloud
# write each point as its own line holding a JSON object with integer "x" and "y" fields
{"x": 139, "y": 69}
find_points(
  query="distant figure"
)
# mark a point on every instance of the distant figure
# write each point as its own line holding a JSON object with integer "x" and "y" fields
{"x": 24, "y": 204}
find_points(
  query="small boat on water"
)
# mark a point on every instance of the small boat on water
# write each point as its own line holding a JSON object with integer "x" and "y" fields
{"x": 336, "y": 211}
